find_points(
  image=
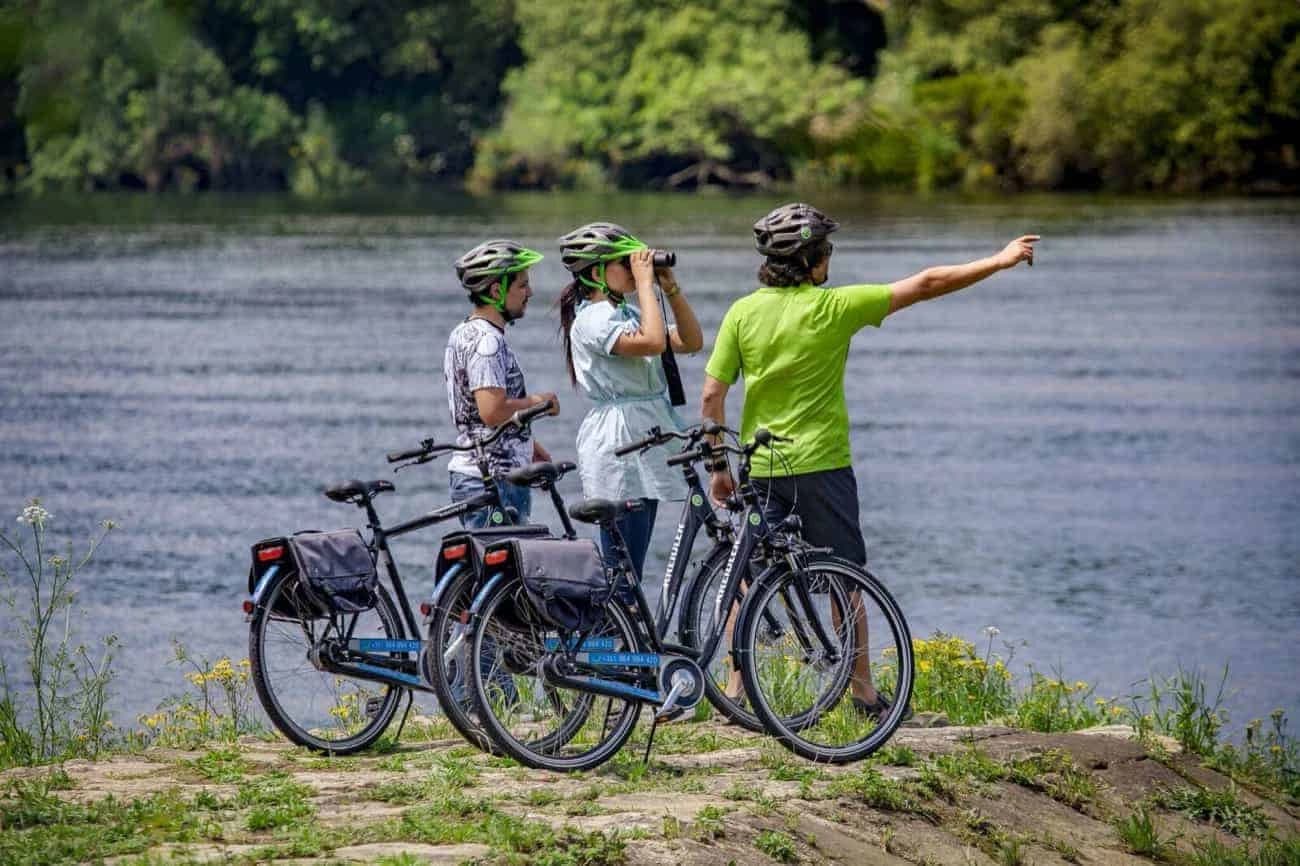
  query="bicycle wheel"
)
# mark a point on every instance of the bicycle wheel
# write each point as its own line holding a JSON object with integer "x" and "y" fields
{"x": 541, "y": 725}
{"x": 701, "y": 617}
{"x": 314, "y": 708}
{"x": 799, "y": 691}
{"x": 444, "y": 661}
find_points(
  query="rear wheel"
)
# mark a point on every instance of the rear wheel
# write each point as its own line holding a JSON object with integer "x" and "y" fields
{"x": 702, "y": 616}
{"x": 537, "y": 723}
{"x": 311, "y": 707}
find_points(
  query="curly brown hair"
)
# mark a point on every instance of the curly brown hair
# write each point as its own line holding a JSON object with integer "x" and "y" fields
{"x": 795, "y": 270}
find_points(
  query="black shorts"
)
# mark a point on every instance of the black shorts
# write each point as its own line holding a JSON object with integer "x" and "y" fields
{"x": 826, "y": 502}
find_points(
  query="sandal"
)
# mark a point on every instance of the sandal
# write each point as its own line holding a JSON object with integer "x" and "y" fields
{"x": 877, "y": 708}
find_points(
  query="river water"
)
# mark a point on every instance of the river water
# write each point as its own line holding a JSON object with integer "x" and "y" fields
{"x": 1100, "y": 455}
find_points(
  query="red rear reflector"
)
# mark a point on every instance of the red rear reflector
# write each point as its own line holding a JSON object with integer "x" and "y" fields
{"x": 496, "y": 557}
{"x": 425, "y": 608}
{"x": 456, "y": 551}
{"x": 248, "y": 605}
{"x": 266, "y": 554}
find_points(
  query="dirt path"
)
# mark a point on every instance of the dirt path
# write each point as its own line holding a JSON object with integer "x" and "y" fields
{"x": 711, "y": 795}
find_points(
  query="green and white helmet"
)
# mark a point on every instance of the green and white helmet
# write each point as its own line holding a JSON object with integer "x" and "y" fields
{"x": 791, "y": 227}
{"x": 596, "y": 242}
{"x": 491, "y": 263}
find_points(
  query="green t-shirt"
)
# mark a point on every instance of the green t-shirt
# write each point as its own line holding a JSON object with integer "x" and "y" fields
{"x": 791, "y": 345}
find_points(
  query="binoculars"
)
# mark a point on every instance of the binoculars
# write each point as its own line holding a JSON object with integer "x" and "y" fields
{"x": 665, "y": 259}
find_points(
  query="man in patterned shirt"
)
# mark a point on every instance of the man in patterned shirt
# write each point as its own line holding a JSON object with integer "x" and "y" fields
{"x": 484, "y": 383}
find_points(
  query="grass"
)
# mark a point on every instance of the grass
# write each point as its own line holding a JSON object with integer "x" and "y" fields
{"x": 1222, "y": 808}
{"x": 1269, "y": 852}
{"x": 274, "y": 800}
{"x": 1055, "y": 774}
{"x": 708, "y": 823}
{"x": 1140, "y": 835}
{"x": 867, "y": 785}
{"x": 777, "y": 845}
{"x": 40, "y": 828}
{"x": 223, "y": 765}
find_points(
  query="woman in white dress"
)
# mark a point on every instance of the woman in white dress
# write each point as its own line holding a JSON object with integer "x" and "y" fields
{"x": 612, "y": 349}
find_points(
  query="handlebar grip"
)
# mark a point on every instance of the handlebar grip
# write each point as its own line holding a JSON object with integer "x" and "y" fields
{"x": 566, "y": 467}
{"x": 397, "y": 456}
{"x": 685, "y": 457}
{"x": 523, "y": 416}
{"x": 628, "y": 449}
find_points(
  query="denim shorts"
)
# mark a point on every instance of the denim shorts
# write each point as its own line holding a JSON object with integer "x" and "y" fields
{"x": 463, "y": 486}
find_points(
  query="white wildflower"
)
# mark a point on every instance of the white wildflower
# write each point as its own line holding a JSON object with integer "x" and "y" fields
{"x": 992, "y": 631}
{"x": 34, "y": 515}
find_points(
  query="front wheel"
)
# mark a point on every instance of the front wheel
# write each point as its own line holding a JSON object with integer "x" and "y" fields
{"x": 845, "y": 646}
{"x": 318, "y": 709}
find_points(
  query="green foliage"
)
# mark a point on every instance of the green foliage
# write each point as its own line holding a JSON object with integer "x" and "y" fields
{"x": 237, "y": 93}
{"x": 1136, "y": 94}
{"x": 686, "y": 93}
{"x": 1270, "y": 759}
{"x": 1140, "y": 835}
{"x": 59, "y": 707}
{"x": 1270, "y": 852}
{"x": 1222, "y": 808}
{"x": 777, "y": 845}
{"x": 41, "y": 828}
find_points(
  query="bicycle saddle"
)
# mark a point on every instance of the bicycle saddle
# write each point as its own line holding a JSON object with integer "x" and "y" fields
{"x": 346, "y": 490}
{"x": 602, "y": 510}
{"x": 536, "y": 474}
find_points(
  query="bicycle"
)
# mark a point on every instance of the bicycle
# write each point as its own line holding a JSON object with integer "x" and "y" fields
{"x": 332, "y": 680}
{"x": 707, "y": 581}
{"x": 620, "y": 657}
{"x": 794, "y": 677}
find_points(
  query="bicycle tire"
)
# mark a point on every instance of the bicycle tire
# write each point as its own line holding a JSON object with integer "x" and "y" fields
{"x": 459, "y": 711}
{"x": 703, "y": 592}
{"x": 280, "y": 595}
{"x": 793, "y": 731}
{"x": 490, "y": 625}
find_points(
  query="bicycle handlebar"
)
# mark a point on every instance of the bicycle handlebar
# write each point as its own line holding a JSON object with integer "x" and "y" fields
{"x": 657, "y": 436}
{"x": 429, "y": 449}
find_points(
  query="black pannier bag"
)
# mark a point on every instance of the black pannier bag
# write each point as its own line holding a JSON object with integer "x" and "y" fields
{"x": 477, "y": 541}
{"x": 337, "y": 568}
{"x": 565, "y": 580}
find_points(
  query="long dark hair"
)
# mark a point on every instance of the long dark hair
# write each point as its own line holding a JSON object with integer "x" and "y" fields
{"x": 782, "y": 271}
{"x": 570, "y": 296}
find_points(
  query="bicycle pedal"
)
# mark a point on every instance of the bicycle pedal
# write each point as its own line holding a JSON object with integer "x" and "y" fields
{"x": 373, "y": 706}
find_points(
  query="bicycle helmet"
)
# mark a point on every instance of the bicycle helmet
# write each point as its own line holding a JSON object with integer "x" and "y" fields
{"x": 596, "y": 243}
{"x": 491, "y": 263}
{"x": 790, "y": 228}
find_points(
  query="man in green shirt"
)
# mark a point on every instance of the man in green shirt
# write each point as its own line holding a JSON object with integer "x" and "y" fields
{"x": 790, "y": 340}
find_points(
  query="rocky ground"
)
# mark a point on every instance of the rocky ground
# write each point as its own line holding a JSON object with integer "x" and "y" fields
{"x": 710, "y": 795}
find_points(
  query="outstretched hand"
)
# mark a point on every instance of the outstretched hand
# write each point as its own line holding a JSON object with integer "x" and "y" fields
{"x": 1019, "y": 250}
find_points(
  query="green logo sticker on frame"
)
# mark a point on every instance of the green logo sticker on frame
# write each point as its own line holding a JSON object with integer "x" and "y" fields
{"x": 754, "y": 518}
{"x": 697, "y": 499}
{"x": 496, "y": 517}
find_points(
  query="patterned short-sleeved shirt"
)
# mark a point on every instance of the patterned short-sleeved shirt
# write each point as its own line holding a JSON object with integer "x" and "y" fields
{"x": 477, "y": 357}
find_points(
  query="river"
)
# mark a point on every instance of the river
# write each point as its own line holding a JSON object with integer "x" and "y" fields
{"x": 1100, "y": 455}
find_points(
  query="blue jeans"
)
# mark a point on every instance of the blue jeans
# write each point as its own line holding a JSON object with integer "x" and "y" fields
{"x": 636, "y": 528}
{"x": 463, "y": 486}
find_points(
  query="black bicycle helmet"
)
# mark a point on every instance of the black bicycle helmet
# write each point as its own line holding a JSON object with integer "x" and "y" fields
{"x": 790, "y": 228}
{"x": 490, "y": 263}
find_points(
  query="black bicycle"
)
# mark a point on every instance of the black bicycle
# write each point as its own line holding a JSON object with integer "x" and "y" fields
{"x": 331, "y": 672}
{"x": 588, "y": 666}
{"x": 707, "y": 606}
